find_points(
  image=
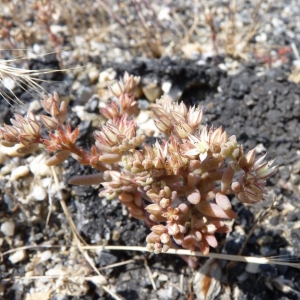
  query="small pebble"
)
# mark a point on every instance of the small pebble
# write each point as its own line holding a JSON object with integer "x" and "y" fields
{"x": 166, "y": 86}
{"x": 17, "y": 256}
{"x": 116, "y": 235}
{"x": 242, "y": 277}
{"x": 8, "y": 228}
{"x": 252, "y": 268}
{"x": 39, "y": 193}
{"x": 19, "y": 172}
{"x": 163, "y": 277}
{"x": 35, "y": 106}
{"x": 267, "y": 251}
{"x": 12, "y": 151}
{"x": 107, "y": 75}
{"x": 46, "y": 255}
{"x": 260, "y": 148}
{"x": 265, "y": 240}
{"x": 2, "y": 156}
{"x": 8, "y": 82}
{"x": 152, "y": 91}
{"x": 93, "y": 75}
{"x": 142, "y": 117}
{"x": 38, "y": 167}
{"x": 6, "y": 169}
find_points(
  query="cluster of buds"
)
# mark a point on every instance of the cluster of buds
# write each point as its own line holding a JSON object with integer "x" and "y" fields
{"x": 175, "y": 119}
{"x": 185, "y": 179}
{"x": 124, "y": 91}
{"x": 179, "y": 186}
{"x": 24, "y": 130}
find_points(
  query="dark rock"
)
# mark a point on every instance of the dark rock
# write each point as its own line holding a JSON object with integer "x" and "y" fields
{"x": 274, "y": 116}
{"x": 106, "y": 258}
{"x": 284, "y": 173}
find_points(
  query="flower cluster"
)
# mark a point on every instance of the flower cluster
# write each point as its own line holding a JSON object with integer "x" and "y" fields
{"x": 179, "y": 186}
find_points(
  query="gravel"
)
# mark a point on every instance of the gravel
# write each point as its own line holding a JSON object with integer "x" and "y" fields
{"x": 255, "y": 99}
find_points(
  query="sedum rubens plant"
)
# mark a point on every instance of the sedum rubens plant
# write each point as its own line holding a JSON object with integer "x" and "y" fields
{"x": 179, "y": 186}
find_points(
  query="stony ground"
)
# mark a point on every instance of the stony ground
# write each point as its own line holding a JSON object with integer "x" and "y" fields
{"x": 256, "y": 99}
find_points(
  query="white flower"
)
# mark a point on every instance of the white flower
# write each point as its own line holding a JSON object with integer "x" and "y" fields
{"x": 199, "y": 146}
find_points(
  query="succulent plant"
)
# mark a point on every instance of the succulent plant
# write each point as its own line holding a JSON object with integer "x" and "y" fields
{"x": 179, "y": 186}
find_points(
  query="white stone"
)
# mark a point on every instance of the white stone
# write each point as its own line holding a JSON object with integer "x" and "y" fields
{"x": 163, "y": 277}
{"x": 17, "y": 256}
{"x": 152, "y": 91}
{"x": 35, "y": 106}
{"x": 93, "y": 75}
{"x": 107, "y": 75}
{"x": 57, "y": 29}
{"x": 166, "y": 86}
{"x": 149, "y": 128}
{"x": 37, "y": 48}
{"x": 12, "y": 151}
{"x": 164, "y": 14}
{"x": 46, "y": 182}
{"x": 57, "y": 271}
{"x": 277, "y": 23}
{"x": 8, "y": 228}
{"x": 296, "y": 63}
{"x": 19, "y": 172}
{"x": 2, "y": 156}
{"x": 6, "y": 169}
{"x": 38, "y": 167}
{"x": 262, "y": 37}
{"x": 46, "y": 255}
{"x": 142, "y": 117}
{"x": 9, "y": 83}
{"x": 260, "y": 148}
{"x": 76, "y": 85}
{"x": 98, "y": 46}
{"x": 192, "y": 51}
{"x": 79, "y": 40}
{"x": 39, "y": 193}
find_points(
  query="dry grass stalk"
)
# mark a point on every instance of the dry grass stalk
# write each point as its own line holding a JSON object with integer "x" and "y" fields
{"x": 273, "y": 260}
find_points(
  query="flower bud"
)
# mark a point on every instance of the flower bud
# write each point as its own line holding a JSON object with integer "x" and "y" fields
{"x": 173, "y": 229}
{"x": 164, "y": 202}
{"x": 236, "y": 187}
{"x": 125, "y": 198}
{"x": 197, "y": 235}
{"x": 159, "y": 229}
{"x": 154, "y": 209}
{"x": 49, "y": 122}
{"x": 152, "y": 238}
{"x": 165, "y": 238}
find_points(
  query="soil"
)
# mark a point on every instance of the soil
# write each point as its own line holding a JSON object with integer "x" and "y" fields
{"x": 260, "y": 109}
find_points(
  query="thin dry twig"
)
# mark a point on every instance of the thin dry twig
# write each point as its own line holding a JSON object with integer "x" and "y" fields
{"x": 122, "y": 263}
{"x": 246, "y": 259}
{"x": 76, "y": 234}
{"x": 78, "y": 238}
{"x": 150, "y": 274}
{"x": 193, "y": 27}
